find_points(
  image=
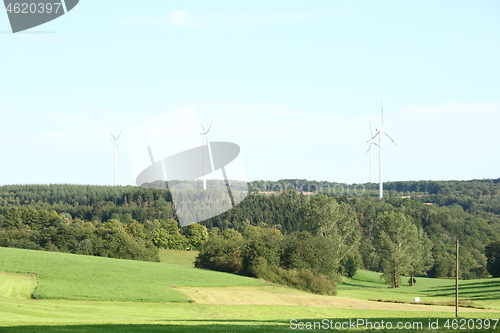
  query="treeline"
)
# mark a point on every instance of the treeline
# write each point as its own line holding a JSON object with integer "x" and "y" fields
{"x": 47, "y": 230}
{"x": 326, "y": 247}
{"x": 91, "y": 202}
{"x": 444, "y": 211}
{"x": 468, "y": 187}
{"x": 443, "y": 226}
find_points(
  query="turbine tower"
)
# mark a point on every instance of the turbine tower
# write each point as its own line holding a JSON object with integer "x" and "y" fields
{"x": 371, "y": 142}
{"x": 379, "y": 133}
{"x": 115, "y": 148}
{"x": 205, "y": 143}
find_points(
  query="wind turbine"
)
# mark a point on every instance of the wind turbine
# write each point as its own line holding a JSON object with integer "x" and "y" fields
{"x": 371, "y": 142}
{"x": 115, "y": 148}
{"x": 379, "y": 131}
{"x": 205, "y": 143}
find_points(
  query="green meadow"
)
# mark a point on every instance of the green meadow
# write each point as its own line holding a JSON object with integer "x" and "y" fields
{"x": 57, "y": 292}
{"x": 75, "y": 277}
{"x": 482, "y": 293}
{"x": 185, "y": 258}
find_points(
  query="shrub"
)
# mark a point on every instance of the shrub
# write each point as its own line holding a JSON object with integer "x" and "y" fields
{"x": 219, "y": 254}
{"x": 300, "y": 279}
{"x": 350, "y": 264}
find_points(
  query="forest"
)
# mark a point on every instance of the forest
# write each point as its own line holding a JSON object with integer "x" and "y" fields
{"x": 296, "y": 232}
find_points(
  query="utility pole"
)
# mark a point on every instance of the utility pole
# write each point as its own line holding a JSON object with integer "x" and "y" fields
{"x": 456, "y": 285}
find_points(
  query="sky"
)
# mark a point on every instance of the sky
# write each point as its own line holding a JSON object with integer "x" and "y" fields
{"x": 296, "y": 84}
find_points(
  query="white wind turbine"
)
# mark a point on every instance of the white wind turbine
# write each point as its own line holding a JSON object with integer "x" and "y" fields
{"x": 371, "y": 142}
{"x": 115, "y": 148}
{"x": 205, "y": 143}
{"x": 379, "y": 131}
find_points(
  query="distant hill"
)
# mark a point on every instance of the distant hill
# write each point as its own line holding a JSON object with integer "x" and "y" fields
{"x": 446, "y": 210}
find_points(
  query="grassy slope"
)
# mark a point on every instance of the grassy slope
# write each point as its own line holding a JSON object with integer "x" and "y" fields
{"x": 76, "y": 277}
{"x": 14, "y": 285}
{"x": 184, "y": 258}
{"x": 365, "y": 284}
{"x": 105, "y": 316}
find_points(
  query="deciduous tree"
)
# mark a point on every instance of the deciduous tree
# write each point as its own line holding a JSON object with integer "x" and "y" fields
{"x": 396, "y": 244}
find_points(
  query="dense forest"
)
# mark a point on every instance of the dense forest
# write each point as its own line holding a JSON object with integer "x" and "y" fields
{"x": 131, "y": 222}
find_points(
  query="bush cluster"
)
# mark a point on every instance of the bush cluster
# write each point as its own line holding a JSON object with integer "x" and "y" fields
{"x": 302, "y": 279}
{"x": 298, "y": 260}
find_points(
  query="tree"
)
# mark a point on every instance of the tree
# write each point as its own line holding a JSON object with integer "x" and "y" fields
{"x": 421, "y": 260}
{"x": 493, "y": 255}
{"x": 350, "y": 264}
{"x": 166, "y": 234}
{"x": 136, "y": 230}
{"x": 196, "y": 234}
{"x": 301, "y": 251}
{"x": 114, "y": 242}
{"x": 324, "y": 216}
{"x": 260, "y": 243}
{"x": 231, "y": 234}
{"x": 221, "y": 254}
{"x": 397, "y": 245}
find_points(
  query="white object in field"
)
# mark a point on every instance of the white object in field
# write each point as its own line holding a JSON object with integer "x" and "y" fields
{"x": 417, "y": 299}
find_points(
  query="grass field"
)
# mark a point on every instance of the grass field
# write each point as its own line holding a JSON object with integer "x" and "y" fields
{"x": 483, "y": 293}
{"x": 75, "y": 277}
{"x": 92, "y": 294}
{"x": 185, "y": 258}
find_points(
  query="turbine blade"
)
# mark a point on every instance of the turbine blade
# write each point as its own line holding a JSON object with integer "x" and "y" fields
{"x": 368, "y": 150}
{"x": 203, "y": 128}
{"x": 374, "y": 136}
{"x": 112, "y": 136}
{"x": 119, "y": 134}
{"x": 390, "y": 138}
{"x": 209, "y": 127}
{"x": 376, "y": 144}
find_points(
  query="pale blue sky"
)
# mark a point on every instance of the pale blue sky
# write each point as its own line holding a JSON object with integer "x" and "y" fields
{"x": 294, "y": 83}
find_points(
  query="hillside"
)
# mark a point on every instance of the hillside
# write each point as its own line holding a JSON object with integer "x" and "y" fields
{"x": 76, "y": 218}
{"x": 46, "y": 275}
{"x": 78, "y": 277}
{"x": 210, "y": 302}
